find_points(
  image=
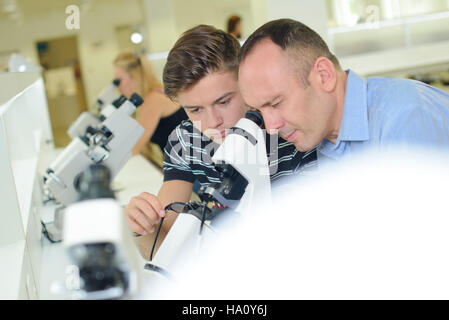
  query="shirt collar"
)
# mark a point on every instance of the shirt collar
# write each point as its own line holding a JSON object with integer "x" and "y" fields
{"x": 354, "y": 123}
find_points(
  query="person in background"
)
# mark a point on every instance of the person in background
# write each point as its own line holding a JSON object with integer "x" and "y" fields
{"x": 158, "y": 115}
{"x": 234, "y": 26}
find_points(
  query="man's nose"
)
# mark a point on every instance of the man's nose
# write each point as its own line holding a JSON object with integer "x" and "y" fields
{"x": 272, "y": 122}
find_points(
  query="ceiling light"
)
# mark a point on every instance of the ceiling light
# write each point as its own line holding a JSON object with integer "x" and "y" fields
{"x": 136, "y": 37}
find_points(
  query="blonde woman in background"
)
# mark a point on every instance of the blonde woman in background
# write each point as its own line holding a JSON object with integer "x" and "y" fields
{"x": 158, "y": 115}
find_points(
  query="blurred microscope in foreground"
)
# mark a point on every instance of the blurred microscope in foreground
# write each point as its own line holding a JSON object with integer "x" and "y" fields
{"x": 99, "y": 241}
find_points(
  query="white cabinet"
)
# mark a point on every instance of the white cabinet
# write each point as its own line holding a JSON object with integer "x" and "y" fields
{"x": 25, "y": 137}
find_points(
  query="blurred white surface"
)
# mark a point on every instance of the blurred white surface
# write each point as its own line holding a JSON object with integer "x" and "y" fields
{"x": 375, "y": 227}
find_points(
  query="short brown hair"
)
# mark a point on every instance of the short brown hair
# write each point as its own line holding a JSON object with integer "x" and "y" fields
{"x": 199, "y": 52}
{"x": 302, "y": 43}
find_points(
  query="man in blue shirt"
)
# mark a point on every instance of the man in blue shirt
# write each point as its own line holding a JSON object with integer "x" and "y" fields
{"x": 288, "y": 73}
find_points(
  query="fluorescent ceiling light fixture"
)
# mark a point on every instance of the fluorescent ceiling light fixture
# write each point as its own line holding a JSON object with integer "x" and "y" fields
{"x": 136, "y": 37}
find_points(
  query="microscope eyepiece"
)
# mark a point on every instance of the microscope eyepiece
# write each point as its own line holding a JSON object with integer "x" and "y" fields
{"x": 136, "y": 99}
{"x": 256, "y": 117}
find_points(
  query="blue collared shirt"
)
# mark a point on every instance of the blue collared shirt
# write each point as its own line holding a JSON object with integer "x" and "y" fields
{"x": 389, "y": 112}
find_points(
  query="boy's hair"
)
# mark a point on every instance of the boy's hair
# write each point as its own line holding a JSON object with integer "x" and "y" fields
{"x": 199, "y": 52}
{"x": 302, "y": 44}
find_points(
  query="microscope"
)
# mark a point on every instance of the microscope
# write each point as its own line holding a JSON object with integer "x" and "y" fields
{"x": 242, "y": 163}
{"x": 106, "y": 104}
{"x": 108, "y": 95}
{"x": 99, "y": 241}
{"x": 110, "y": 143}
{"x": 243, "y": 166}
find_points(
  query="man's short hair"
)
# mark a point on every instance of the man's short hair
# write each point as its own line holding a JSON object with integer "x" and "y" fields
{"x": 199, "y": 52}
{"x": 302, "y": 44}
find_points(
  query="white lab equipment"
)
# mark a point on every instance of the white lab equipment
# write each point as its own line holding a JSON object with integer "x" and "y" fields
{"x": 107, "y": 102}
{"x": 111, "y": 145}
{"x": 243, "y": 165}
{"x": 99, "y": 241}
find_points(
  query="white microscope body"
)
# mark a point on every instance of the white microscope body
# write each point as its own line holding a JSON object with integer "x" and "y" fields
{"x": 107, "y": 103}
{"x": 110, "y": 144}
{"x": 108, "y": 95}
{"x": 244, "y": 152}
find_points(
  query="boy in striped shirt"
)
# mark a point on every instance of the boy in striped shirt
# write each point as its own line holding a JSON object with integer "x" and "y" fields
{"x": 201, "y": 75}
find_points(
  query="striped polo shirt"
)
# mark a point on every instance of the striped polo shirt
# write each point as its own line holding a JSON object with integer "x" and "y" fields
{"x": 188, "y": 157}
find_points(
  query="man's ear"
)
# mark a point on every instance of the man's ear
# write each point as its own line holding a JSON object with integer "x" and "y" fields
{"x": 325, "y": 74}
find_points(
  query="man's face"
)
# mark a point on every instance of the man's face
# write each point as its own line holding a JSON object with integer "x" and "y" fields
{"x": 214, "y": 104}
{"x": 269, "y": 82}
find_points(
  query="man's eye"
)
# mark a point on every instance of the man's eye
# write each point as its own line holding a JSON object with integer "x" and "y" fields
{"x": 274, "y": 105}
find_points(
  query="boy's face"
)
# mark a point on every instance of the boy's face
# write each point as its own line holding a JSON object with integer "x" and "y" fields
{"x": 214, "y": 104}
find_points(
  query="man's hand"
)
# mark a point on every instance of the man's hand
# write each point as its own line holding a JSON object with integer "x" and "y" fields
{"x": 143, "y": 212}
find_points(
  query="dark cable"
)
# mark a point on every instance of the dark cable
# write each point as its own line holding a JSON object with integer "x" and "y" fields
{"x": 155, "y": 238}
{"x": 203, "y": 218}
{"x": 167, "y": 208}
{"x": 46, "y": 234}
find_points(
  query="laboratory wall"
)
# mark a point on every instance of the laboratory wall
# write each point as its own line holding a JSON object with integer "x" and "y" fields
{"x": 351, "y": 28}
{"x": 97, "y": 43}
